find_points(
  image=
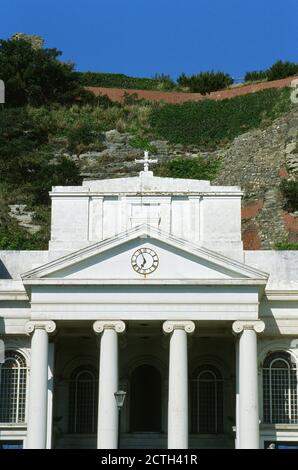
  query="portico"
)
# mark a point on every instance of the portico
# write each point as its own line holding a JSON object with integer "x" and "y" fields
{"x": 145, "y": 349}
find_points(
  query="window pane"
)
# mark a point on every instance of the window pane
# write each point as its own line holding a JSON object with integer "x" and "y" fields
{"x": 207, "y": 401}
{"x": 280, "y": 389}
{"x": 83, "y": 401}
{"x": 13, "y": 387}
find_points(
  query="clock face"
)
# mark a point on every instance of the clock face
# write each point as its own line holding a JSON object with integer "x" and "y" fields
{"x": 144, "y": 261}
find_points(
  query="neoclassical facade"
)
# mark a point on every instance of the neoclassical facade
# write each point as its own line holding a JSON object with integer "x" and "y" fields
{"x": 146, "y": 288}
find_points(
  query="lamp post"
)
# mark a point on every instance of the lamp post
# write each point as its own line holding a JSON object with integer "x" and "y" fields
{"x": 119, "y": 397}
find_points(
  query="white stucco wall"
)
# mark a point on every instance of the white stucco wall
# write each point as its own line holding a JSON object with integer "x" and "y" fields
{"x": 13, "y": 263}
{"x": 281, "y": 265}
{"x": 189, "y": 209}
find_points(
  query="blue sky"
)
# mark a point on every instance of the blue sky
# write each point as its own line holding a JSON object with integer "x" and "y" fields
{"x": 145, "y": 37}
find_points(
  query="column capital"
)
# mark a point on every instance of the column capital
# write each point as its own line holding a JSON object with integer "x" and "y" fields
{"x": 170, "y": 325}
{"x": 257, "y": 325}
{"x": 100, "y": 325}
{"x": 49, "y": 326}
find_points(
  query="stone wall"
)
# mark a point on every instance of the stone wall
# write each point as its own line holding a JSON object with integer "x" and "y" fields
{"x": 119, "y": 94}
{"x": 257, "y": 161}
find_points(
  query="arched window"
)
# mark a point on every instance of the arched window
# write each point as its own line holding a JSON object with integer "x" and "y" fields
{"x": 83, "y": 401}
{"x": 145, "y": 399}
{"x": 13, "y": 387}
{"x": 280, "y": 389}
{"x": 207, "y": 401}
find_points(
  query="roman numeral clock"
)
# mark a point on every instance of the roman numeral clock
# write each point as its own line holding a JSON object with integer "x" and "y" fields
{"x": 144, "y": 261}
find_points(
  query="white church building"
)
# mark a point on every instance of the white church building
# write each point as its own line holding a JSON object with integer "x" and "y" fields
{"x": 146, "y": 288}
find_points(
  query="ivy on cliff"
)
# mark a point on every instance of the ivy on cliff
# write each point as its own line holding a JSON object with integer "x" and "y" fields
{"x": 209, "y": 123}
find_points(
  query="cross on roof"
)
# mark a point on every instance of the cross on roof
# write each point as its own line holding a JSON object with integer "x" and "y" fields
{"x": 146, "y": 160}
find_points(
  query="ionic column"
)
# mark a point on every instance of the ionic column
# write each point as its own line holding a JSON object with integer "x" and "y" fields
{"x": 178, "y": 383}
{"x": 248, "y": 434}
{"x": 38, "y": 386}
{"x": 107, "y": 429}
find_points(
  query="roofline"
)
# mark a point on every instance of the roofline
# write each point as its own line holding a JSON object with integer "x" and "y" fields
{"x": 147, "y": 282}
{"x": 88, "y": 193}
{"x": 140, "y": 231}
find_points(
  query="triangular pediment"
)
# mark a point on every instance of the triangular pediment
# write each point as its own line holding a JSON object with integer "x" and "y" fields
{"x": 113, "y": 259}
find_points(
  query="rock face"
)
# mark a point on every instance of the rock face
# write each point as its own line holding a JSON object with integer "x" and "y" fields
{"x": 117, "y": 159}
{"x": 257, "y": 161}
{"x": 24, "y": 217}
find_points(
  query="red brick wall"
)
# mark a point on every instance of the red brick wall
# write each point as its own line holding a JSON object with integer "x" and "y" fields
{"x": 117, "y": 94}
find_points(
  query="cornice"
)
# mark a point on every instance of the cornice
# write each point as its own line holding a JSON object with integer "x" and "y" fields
{"x": 280, "y": 295}
{"x": 148, "y": 282}
{"x": 18, "y": 296}
{"x": 169, "y": 194}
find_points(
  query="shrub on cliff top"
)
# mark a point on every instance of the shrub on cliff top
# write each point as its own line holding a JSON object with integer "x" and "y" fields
{"x": 36, "y": 76}
{"x": 118, "y": 80}
{"x": 205, "y": 82}
{"x": 256, "y": 76}
{"x": 277, "y": 71}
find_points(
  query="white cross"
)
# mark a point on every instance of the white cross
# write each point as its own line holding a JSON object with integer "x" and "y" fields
{"x": 146, "y": 160}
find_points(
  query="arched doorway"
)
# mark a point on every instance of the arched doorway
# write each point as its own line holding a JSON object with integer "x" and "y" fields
{"x": 83, "y": 401}
{"x": 145, "y": 399}
{"x": 207, "y": 401}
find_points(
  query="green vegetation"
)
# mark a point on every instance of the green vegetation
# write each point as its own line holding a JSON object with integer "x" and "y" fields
{"x": 290, "y": 193}
{"x": 29, "y": 167}
{"x": 286, "y": 246}
{"x": 16, "y": 238}
{"x": 256, "y": 76}
{"x": 113, "y": 80}
{"x": 212, "y": 123}
{"x": 277, "y": 71}
{"x": 205, "y": 82}
{"x": 282, "y": 70}
{"x": 34, "y": 141}
{"x": 49, "y": 117}
{"x": 202, "y": 82}
{"x": 93, "y": 118}
{"x": 27, "y": 159}
{"x": 139, "y": 141}
{"x": 82, "y": 136}
{"x": 34, "y": 75}
{"x": 195, "y": 168}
